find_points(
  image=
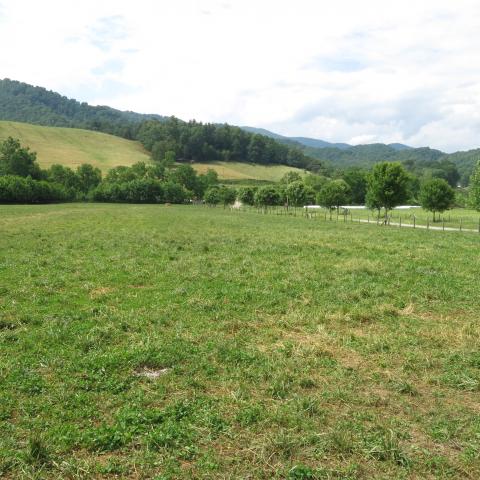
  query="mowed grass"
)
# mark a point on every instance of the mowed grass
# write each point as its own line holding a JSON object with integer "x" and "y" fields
{"x": 72, "y": 146}
{"x": 246, "y": 171}
{"x": 283, "y": 347}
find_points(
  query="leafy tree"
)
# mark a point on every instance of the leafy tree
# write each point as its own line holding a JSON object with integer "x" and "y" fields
{"x": 89, "y": 177}
{"x": 357, "y": 181}
{"x": 333, "y": 194}
{"x": 186, "y": 176}
{"x": 16, "y": 160}
{"x": 316, "y": 182}
{"x": 208, "y": 179}
{"x": 64, "y": 176}
{"x": 174, "y": 193}
{"x": 474, "y": 189}
{"x": 247, "y": 195}
{"x": 257, "y": 149}
{"x": 227, "y": 195}
{"x": 267, "y": 196}
{"x": 387, "y": 186}
{"x": 290, "y": 177}
{"x": 299, "y": 194}
{"x": 436, "y": 195}
{"x": 212, "y": 196}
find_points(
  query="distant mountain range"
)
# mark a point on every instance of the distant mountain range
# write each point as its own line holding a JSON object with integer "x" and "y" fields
{"x": 314, "y": 142}
{"x": 26, "y": 103}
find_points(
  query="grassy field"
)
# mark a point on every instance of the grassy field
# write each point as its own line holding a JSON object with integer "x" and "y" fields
{"x": 245, "y": 171}
{"x": 193, "y": 342}
{"x": 73, "y": 146}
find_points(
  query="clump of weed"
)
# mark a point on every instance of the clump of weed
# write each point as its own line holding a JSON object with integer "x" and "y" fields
{"x": 405, "y": 388}
{"x": 37, "y": 453}
{"x": 385, "y": 446}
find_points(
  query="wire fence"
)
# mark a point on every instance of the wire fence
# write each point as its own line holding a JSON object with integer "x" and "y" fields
{"x": 394, "y": 219}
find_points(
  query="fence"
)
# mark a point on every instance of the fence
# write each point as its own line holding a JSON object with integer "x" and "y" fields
{"x": 407, "y": 220}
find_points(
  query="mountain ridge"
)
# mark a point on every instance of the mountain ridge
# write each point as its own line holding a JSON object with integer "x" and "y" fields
{"x": 318, "y": 143}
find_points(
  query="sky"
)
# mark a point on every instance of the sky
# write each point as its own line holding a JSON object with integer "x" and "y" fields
{"x": 343, "y": 71}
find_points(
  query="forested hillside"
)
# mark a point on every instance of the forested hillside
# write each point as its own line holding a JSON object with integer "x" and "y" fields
{"x": 25, "y": 103}
{"x": 198, "y": 142}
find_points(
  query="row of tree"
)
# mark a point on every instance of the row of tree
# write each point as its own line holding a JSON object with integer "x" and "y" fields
{"x": 23, "y": 181}
{"x": 385, "y": 186}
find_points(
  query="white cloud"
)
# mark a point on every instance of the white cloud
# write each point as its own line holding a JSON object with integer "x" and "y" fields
{"x": 341, "y": 71}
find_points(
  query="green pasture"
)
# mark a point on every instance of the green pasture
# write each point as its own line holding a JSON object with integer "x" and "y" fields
{"x": 182, "y": 342}
{"x": 73, "y": 146}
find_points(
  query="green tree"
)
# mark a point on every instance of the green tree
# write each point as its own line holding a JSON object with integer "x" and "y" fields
{"x": 387, "y": 187}
{"x": 267, "y": 196}
{"x": 333, "y": 194}
{"x": 436, "y": 195}
{"x": 474, "y": 188}
{"x": 212, "y": 196}
{"x": 247, "y": 195}
{"x": 227, "y": 195}
{"x": 174, "y": 193}
{"x": 290, "y": 177}
{"x": 64, "y": 176}
{"x": 16, "y": 160}
{"x": 208, "y": 179}
{"x": 169, "y": 159}
{"x": 298, "y": 194}
{"x": 316, "y": 182}
{"x": 88, "y": 177}
{"x": 186, "y": 176}
{"x": 357, "y": 180}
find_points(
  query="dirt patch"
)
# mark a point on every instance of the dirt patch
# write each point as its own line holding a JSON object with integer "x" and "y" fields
{"x": 152, "y": 374}
{"x": 100, "y": 292}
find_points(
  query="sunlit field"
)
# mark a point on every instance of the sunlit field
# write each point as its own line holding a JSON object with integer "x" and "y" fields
{"x": 73, "y": 146}
{"x": 193, "y": 342}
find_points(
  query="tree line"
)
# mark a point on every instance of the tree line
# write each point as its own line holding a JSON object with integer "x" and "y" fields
{"x": 173, "y": 139}
{"x": 385, "y": 186}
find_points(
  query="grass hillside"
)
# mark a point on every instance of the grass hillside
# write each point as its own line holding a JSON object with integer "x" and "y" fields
{"x": 186, "y": 342}
{"x": 246, "y": 171}
{"x": 73, "y": 146}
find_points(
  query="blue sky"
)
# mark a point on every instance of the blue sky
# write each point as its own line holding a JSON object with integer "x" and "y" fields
{"x": 343, "y": 71}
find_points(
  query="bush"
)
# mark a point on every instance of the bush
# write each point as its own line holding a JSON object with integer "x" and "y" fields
{"x": 227, "y": 195}
{"x": 267, "y": 196}
{"x": 247, "y": 195}
{"x": 298, "y": 194}
{"x": 14, "y": 189}
{"x": 212, "y": 196}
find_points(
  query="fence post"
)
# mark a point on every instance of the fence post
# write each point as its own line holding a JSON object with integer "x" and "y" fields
{"x": 443, "y": 223}
{"x": 428, "y": 224}
{"x": 368, "y": 221}
{"x": 461, "y": 221}
{"x": 414, "y": 220}
{"x": 400, "y": 222}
